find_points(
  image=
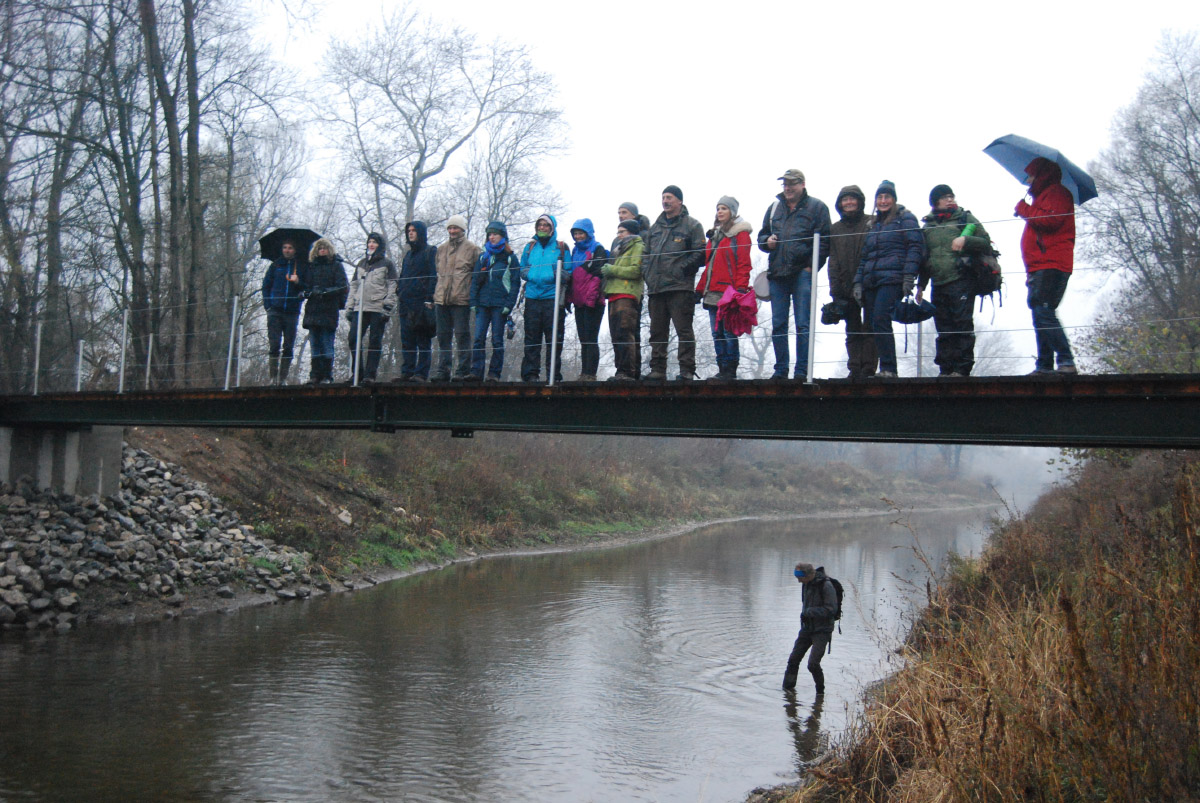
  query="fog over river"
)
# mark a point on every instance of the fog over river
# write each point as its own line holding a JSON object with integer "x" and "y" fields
{"x": 646, "y": 672}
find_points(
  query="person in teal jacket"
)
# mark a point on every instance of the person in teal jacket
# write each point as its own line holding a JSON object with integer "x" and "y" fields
{"x": 542, "y": 257}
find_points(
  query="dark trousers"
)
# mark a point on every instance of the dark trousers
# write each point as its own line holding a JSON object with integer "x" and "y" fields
{"x": 806, "y": 639}
{"x": 625, "y": 331}
{"x": 862, "y": 358}
{"x": 1046, "y": 288}
{"x": 453, "y": 322}
{"x": 281, "y": 336}
{"x": 486, "y": 318}
{"x": 539, "y": 328}
{"x": 373, "y": 324}
{"x": 322, "y": 343}
{"x": 880, "y": 303}
{"x": 587, "y": 324}
{"x": 677, "y": 308}
{"x": 415, "y": 345}
{"x": 954, "y": 317}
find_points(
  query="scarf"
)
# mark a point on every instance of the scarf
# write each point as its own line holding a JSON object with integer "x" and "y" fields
{"x": 495, "y": 250}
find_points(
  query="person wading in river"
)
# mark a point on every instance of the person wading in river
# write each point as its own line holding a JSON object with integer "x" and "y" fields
{"x": 816, "y": 624}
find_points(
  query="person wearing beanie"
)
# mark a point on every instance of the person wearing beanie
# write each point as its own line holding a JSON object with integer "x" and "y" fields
{"x": 819, "y": 612}
{"x": 727, "y": 264}
{"x": 1048, "y": 251}
{"x": 787, "y": 235}
{"x": 456, "y": 260}
{"x": 887, "y": 270}
{"x": 544, "y": 257}
{"x": 674, "y": 254}
{"x": 587, "y": 257}
{"x": 622, "y": 287}
{"x": 372, "y": 299}
{"x": 324, "y": 287}
{"x": 951, "y": 233}
{"x": 495, "y": 286}
{"x": 418, "y": 319}
{"x": 629, "y": 211}
{"x": 846, "y": 238}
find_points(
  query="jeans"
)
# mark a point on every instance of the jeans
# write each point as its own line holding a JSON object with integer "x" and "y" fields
{"x": 860, "y": 343}
{"x": 954, "y": 317}
{"x": 539, "y": 328}
{"x": 488, "y": 318}
{"x": 1046, "y": 288}
{"x": 880, "y": 303}
{"x": 322, "y": 343}
{"x": 373, "y": 324}
{"x": 281, "y": 333}
{"x": 587, "y": 324}
{"x": 453, "y": 320}
{"x": 625, "y": 331}
{"x": 797, "y": 290}
{"x": 724, "y": 343}
{"x": 676, "y": 307}
{"x": 415, "y": 346}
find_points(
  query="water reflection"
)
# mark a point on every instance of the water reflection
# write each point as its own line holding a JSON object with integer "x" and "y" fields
{"x": 649, "y": 672}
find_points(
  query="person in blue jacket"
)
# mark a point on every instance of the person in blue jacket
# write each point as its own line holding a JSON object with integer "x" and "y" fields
{"x": 282, "y": 301}
{"x": 541, "y": 258}
{"x": 887, "y": 270}
{"x": 495, "y": 285}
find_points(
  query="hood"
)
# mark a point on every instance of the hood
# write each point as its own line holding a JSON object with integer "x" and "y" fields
{"x": 1044, "y": 173}
{"x": 584, "y": 224}
{"x": 312, "y": 254}
{"x": 736, "y": 226}
{"x": 553, "y": 227}
{"x": 422, "y": 234}
{"x": 852, "y": 190}
{"x": 381, "y": 251}
{"x": 498, "y": 225}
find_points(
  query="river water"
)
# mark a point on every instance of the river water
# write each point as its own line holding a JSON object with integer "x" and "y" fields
{"x": 647, "y": 672}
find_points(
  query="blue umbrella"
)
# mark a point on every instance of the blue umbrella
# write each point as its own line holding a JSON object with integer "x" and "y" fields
{"x": 1014, "y": 153}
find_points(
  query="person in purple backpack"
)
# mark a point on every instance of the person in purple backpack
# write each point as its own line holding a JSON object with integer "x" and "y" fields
{"x": 587, "y": 260}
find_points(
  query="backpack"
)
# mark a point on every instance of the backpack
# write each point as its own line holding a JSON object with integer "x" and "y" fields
{"x": 841, "y": 593}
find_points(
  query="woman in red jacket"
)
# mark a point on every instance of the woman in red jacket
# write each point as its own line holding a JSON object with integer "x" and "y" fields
{"x": 1048, "y": 249}
{"x": 726, "y": 264}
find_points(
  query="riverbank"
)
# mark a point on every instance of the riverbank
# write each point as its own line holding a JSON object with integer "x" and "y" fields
{"x": 1062, "y": 665}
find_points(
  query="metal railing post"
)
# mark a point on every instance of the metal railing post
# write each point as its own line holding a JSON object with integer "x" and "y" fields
{"x": 241, "y": 333}
{"x": 232, "y": 331}
{"x": 812, "y": 307}
{"x": 920, "y": 350}
{"x": 362, "y": 288}
{"x": 124, "y": 341}
{"x": 37, "y": 355}
{"x": 79, "y": 368}
{"x": 554, "y": 333}
{"x": 149, "y": 358}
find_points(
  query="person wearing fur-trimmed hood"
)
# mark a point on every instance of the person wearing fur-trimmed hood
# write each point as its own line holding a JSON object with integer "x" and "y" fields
{"x": 373, "y": 296}
{"x": 324, "y": 288}
{"x": 726, "y": 264}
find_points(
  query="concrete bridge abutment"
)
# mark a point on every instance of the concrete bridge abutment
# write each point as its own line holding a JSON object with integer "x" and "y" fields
{"x": 84, "y": 460}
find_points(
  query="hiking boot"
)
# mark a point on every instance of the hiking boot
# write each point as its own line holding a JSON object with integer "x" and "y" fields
{"x": 656, "y": 376}
{"x": 620, "y": 378}
{"x": 587, "y": 377}
{"x": 419, "y": 378}
{"x": 886, "y": 374}
{"x": 471, "y": 378}
{"x": 684, "y": 378}
{"x": 439, "y": 378}
{"x": 1041, "y": 372}
{"x": 779, "y": 375}
{"x": 1068, "y": 370}
{"x": 491, "y": 378}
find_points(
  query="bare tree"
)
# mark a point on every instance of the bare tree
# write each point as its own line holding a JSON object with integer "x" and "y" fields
{"x": 1145, "y": 226}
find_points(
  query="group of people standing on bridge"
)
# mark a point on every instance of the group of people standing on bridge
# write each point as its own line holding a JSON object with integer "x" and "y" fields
{"x": 464, "y": 294}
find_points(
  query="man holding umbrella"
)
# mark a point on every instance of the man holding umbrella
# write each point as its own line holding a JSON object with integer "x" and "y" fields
{"x": 1048, "y": 249}
{"x": 285, "y": 247}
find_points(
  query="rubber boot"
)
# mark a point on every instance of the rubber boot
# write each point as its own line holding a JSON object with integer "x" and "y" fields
{"x": 818, "y": 680}
{"x": 789, "y": 681}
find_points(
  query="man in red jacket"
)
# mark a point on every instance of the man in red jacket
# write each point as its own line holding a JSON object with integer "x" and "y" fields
{"x": 1048, "y": 249}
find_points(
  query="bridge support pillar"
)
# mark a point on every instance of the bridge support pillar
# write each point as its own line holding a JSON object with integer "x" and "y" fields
{"x": 82, "y": 461}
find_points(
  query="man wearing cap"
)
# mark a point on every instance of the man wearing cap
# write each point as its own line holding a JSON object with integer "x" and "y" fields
{"x": 674, "y": 253}
{"x": 787, "y": 235}
{"x": 816, "y": 624}
{"x": 629, "y": 211}
{"x": 456, "y": 260}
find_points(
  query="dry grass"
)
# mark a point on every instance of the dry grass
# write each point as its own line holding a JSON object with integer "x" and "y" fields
{"x": 1064, "y": 666}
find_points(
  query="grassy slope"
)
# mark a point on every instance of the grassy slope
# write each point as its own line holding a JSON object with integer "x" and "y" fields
{"x": 1062, "y": 666}
{"x": 423, "y": 495}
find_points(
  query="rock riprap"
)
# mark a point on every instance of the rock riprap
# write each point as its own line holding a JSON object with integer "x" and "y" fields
{"x": 162, "y": 538}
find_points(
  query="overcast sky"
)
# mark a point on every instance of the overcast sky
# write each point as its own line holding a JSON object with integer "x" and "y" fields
{"x": 721, "y": 98}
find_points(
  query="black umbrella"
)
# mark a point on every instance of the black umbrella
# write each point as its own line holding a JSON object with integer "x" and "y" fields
{"x": 270, "y": 245}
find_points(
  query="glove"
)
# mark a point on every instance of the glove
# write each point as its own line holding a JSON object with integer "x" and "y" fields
{"x": 909, "y": 283}
{"x": 857, "y": 293}
{"x": 505, "y": 312}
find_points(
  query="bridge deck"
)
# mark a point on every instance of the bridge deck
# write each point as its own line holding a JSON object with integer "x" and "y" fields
{"x": 1086, "y": 411}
